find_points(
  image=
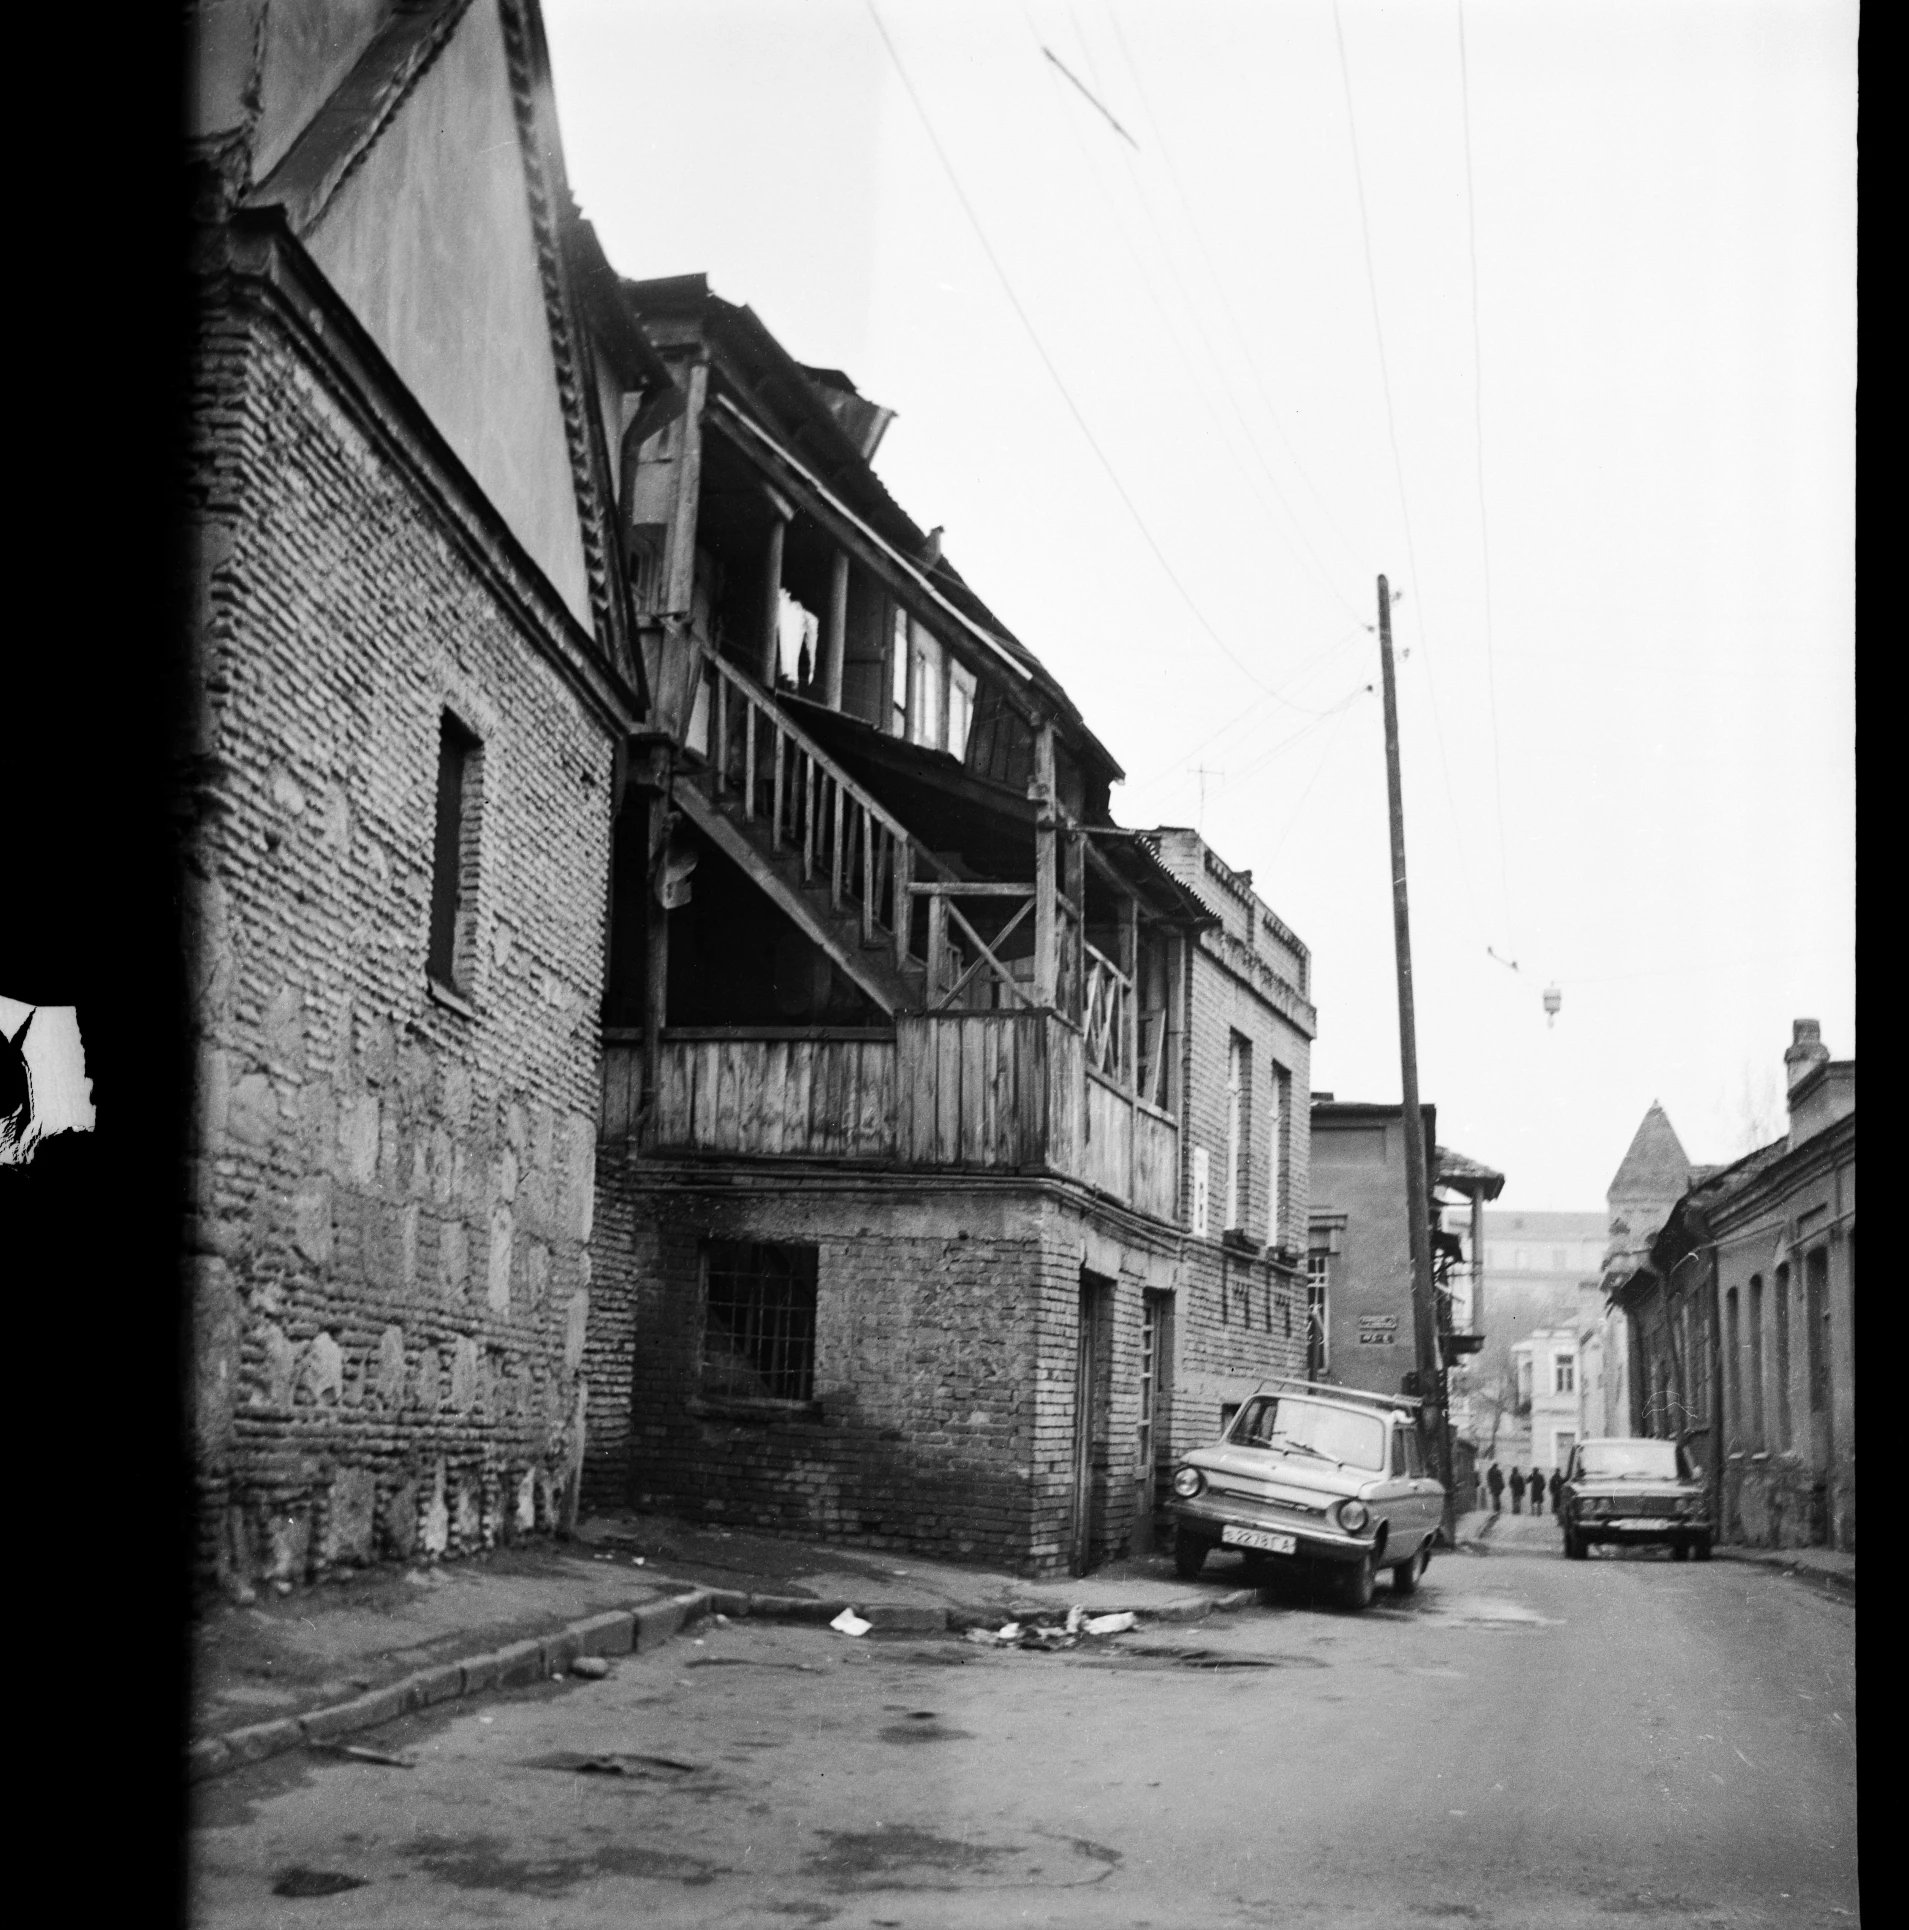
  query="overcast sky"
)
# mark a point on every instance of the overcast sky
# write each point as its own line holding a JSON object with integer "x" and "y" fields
{"x": 1546, "y": 310}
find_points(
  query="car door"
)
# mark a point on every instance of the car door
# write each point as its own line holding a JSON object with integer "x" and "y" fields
{"x": 1428, "y": 1498}
{"x": 1398, "y": 1499}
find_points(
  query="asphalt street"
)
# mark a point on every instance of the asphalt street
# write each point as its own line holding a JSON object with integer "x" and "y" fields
{"x": 1525, "y": 1742}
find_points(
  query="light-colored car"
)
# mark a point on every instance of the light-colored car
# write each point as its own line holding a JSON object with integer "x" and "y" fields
{"x": 1311, "y": 1475}
{"x": 1633, "y": 1492}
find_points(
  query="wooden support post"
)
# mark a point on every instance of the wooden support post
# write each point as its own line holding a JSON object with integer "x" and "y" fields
{"x": 904, "y": 867}
{"x": 1046, "y": 951}
{"x": 775, "y": 811}
{"x": 937, "y": 949}
{"x": 835, "y": 633}
{"x": 772, "y": 593}
{"x": 649, "y": 777}
{"x": 680, "y": 589}
{"x": 1130, "y": 964}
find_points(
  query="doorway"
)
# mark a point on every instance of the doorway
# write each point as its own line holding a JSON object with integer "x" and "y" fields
{"x": 1156, "y": 1367}
{"x": 1092, "y": 1362}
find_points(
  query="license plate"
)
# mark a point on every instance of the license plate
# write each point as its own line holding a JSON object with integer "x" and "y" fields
{"x": 1258, "y": 1538}
{"x": 1649, "y": 1525}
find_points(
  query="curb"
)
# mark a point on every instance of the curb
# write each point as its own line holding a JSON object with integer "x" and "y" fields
{"x": 1775, "y": 1558}
{"x": 617, "y": 1631}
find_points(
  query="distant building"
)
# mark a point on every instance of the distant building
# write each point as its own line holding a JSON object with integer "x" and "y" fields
{"x": 1743, "y": 1313}
{"x": 1546, "y": 1366}
{"x": 1360, "y": 1256}
{"x": 1532, "y": 1265}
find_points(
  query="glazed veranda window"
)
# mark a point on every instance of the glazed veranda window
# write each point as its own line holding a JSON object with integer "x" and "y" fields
{"x": 1312, "y": 1428}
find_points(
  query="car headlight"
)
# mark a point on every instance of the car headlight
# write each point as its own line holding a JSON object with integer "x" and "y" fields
{"x": 1188, "y": 1482}
{"x": 1353, "y": 1515}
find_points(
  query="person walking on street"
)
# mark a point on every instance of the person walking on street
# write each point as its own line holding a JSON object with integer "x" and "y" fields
{"x": 1495, "y": 1481}
{"x": 1517, "y": 1489}
{"x": 1537, "y": 1491}
{"x": 1556, "y": 1489}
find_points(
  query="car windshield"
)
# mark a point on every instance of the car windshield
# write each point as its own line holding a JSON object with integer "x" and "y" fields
{"x": 1312, "y": 1428}
{"x": 1613, "y": 1460}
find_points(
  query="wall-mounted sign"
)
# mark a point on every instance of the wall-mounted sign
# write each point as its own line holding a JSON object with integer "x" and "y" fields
{"x": 1378, "y": 1330}
{"x": 1371, "y": 1337}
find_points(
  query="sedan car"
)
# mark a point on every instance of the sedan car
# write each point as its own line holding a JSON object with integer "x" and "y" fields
{"x": 1313, "y": 1476}
{"x": 1633, "y": 1493}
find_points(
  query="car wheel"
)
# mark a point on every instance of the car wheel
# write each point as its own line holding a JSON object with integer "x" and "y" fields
{"x": 1189, "y": 1554}
{"x": 1701, "y": 1548}
{"x": 1407, "y": 1575}
{"x": 1574, "y": 1548}
{"x": 1360, "y": 1582}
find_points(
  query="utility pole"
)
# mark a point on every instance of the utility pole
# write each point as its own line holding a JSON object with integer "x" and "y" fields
{"x": 1418, "y": 1203}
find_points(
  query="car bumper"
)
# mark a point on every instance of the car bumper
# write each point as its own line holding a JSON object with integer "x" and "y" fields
{"x": 1312, "y": 1539}
{"x": 1636, "y": 1530}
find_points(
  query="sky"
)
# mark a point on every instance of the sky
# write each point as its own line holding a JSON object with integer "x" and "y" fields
{"x": 1199, "y": 317}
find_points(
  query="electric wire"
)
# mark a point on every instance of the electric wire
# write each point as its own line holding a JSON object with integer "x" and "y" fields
{"x": 1484, "y": 518}
{"x": 1258, "y": 704}
{"x": 1213, "y": 275}
{"x": 1186, "y": 359}
{"x": 1047, "y": 361}
{"x": 1325, "y": 758}
{"x": 1398, "y": 463}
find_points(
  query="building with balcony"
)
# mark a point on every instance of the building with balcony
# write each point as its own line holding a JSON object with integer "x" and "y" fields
{"x": 952, "y": 1159}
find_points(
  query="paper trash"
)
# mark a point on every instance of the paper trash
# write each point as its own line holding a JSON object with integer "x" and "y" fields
{"x": 849, "y": 1623}
{"x": 1110, "y": 1624}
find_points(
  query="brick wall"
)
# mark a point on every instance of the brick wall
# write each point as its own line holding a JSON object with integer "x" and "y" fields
{"x": 947, "y": 1336}
{"x": 389, "y": 1199}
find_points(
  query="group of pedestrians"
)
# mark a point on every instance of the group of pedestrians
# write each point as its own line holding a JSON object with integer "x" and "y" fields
{"x": 1519, "y": 1483}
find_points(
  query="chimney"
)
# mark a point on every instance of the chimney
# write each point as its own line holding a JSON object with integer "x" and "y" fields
{"x": 1807, "y": 1052}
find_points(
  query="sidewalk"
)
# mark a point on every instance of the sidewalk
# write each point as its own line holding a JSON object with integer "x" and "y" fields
{"x": 1827, "y": 1565}
{"x": 325, "y": 1662}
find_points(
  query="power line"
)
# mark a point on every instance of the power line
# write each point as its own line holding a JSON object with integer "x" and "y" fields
{"x": 1186, "y": 359}
{"x": 1325, "y": 758}
{"x": 1258, "y": 704}
{"x": 1484, "y": 520}
{"x": 1219, "y": 287}
{"x": 1392, "y": 435}
{"x": 1092, "y": 99}
{"x": 1047, "y": 361}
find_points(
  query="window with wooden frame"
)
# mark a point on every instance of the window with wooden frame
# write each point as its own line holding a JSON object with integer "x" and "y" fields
{"x": 1239, "y": 1076}
{"x": 758, "y": 1321}
{"x": 452, "y": 951}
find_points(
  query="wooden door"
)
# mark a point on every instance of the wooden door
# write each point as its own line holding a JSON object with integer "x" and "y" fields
{"x": 1089, "y": 1419}
{"x": 1153, "y": 1366}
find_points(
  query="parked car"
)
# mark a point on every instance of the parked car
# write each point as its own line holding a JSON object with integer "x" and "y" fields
{"x": 1633, "y": 1493}
{"x": 1313, "y": 1476}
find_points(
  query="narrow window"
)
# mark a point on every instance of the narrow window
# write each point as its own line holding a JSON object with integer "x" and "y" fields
{"x": 454, "y": 857}
{"x": 1564, "y": 1373}
{"x": 1318, "y": 1276}
{"x": 899, "y": 663}
{"x": 759, "y": 1321}
{"x": 1780, "y": 1307}
{"x": 1756, "y": 1361}
{"x": 1239, "y": 1059}
{"x": 1276, "y": 1126}
{"x": 1732, "y": 1367}
{"x": 1199, "y": 1192}
{"x": 1816, "y": 1292}
{"x": 960, "y": 709}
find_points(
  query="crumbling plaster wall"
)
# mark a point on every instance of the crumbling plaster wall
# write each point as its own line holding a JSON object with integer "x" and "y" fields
{"x": 389, "y": 1199}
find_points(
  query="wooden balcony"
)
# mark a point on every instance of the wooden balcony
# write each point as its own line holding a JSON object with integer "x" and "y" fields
{"x": 991, "y": 1091}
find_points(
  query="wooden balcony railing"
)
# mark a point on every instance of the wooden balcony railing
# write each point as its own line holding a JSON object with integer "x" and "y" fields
{"x": 983, "y": 1091}
{"x": 806, "y": 804}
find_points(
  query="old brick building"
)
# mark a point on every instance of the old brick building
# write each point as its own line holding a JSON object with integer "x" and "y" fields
{"x": 410, "y": 670}
{"x": 1742, "y": 1316}
{"x": 953, "y": 1138}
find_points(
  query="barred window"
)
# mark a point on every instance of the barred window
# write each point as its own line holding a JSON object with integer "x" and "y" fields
{"x": 759, "y": 1321}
